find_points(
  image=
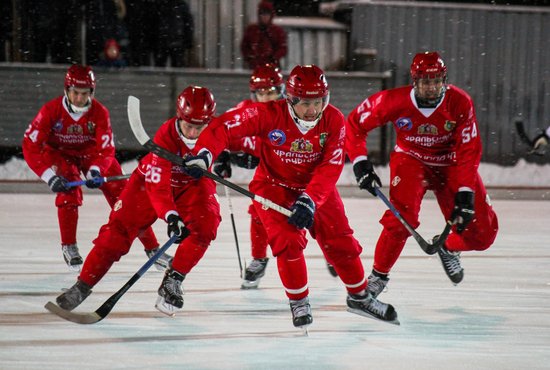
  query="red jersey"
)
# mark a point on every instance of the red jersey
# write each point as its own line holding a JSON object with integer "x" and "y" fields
{"x": 247, "y": 144}
{"x": 446, "y": 135}
{"x": 82, "y": 136}
{"x": 164, "y": 179}
{"x": 309, "y": 161}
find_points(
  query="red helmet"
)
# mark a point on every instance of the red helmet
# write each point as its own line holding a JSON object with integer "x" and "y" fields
{"x": 428, "y": 65}
{"x": 306, "y": 82}
{"x": 80, "y": 76}
{"x": 196, "y": 105}
{"x": 266, "y": 7}
{"x": 265, "y": 77}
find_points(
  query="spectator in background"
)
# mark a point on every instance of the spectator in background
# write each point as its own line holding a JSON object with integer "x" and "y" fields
{"x": 6, "y": 24}
{"x": 158, "y": 30}
{"x": 50, "y": 29}
{"x": 111, "y": 57}
{"x": 104, "y": 21}
{"x": 263, "y": 42}
{"x": 175, "y": 34}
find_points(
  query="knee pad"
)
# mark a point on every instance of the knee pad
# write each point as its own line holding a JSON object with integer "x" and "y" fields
{"x": 395, "y": 227}
{"x": 341, "y": 249}
{"x": 71, "y": 198}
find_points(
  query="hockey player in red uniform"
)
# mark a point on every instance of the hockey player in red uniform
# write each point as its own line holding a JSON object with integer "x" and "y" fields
{"x": 301, "y": 158}
{"x": 437, "y": 148}
{"x": 266, "y": 84}
{"x": 72, "y": 135}
{"x": 160, "y": 189}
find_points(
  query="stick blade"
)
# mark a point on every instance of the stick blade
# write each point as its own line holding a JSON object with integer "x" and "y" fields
{"x": 135, "y": 120}
{"x": 78, "y": 318}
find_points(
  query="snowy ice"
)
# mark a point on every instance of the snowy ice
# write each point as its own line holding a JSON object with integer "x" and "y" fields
{"x": 497, "y": 318}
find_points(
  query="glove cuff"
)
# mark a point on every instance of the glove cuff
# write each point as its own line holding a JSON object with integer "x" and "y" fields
{"x": 93, "y": 171}
{"x": 306, "y": 201}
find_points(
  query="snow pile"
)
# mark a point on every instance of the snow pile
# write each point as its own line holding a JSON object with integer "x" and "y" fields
{"x": 523, "y": 174}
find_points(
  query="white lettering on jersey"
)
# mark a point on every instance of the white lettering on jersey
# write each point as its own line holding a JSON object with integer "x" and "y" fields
{"x": 364, "y": 116}
{"x": 468, "y": 133}
{"x": 33, "y": 136}
{"x": 153, "y": 174}
{"x": 106, "y": 141}
{"x": 249, "y": 143}
{"x": 337, "y": 157}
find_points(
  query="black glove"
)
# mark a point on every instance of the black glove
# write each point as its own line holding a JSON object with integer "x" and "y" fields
{"x": 302, "y": 212}
{"x": 463, "y": 212}
{"x": 245, "y": 160}
{"x": 222, "y": 165}
{"x": 177, "y": 227}
{"x": 195, "y": 165}
{"x": 540, "y": 143}
{"x": 94, "y": 179}
{"x": 58, "y": 184}
{"x": 365, "y": 176}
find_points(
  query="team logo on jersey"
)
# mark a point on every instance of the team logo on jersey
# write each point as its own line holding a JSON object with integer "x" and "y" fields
{"x": 396, "y": 180}
{"x": 75, "y": 130}
{"x": 449, "y": 125}
{"x": 323, "y": 139}
{"x": 276, "y": 137}
{"x": 118, "y": 205}
{"x": 301, "y": 146}
{"x": 91, "y": 127}
{"x": 427, "y": 129}
{"x": 58, "y": 126}
{"x": 404, "y": 123}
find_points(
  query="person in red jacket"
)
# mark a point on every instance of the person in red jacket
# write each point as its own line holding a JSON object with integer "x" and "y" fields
{"x": 70, "y": 135}
{"x": 301, "y": 158}
{"x": 160, "y": 189}
{"x": 438, "y": 148}
{"x": 265, "y": 84}
{"x": 264, "y": 42}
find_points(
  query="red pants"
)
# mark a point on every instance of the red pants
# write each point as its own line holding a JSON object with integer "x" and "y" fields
{"x": 331, "y": 230}
{"x": 134, "y": 213}
{"x": 409, "y": 181}
{"x": 67, "y": 203}
{"x": 258, "y": 236}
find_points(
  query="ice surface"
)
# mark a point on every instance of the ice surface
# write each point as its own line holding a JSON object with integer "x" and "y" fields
{"x": 497, "y": 318}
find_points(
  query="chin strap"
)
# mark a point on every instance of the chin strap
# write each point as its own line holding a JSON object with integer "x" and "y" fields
{"x": 302, "y": 124}
{"x": 78, "y": 110}
{"x": 425, "y": 103}
{"x": 189, "y": 142}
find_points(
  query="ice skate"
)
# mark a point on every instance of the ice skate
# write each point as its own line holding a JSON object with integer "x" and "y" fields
{"x": 72, "y": 257}
{"x": 254, "y": 272}
{"x": 301, "y": 313}
{"x": 331, "y": 270}
{"x": 371, "y": 307}
{"x": 163, "y": 262}
{"x": 377, "y": 283}
{"x": 74, "y": 296}
{"x": 170, "y": 297}
{"x": 451, "y": 264}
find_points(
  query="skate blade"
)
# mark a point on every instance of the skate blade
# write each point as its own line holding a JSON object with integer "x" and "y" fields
{"x": 304, "y": 330}
{"x": 160, "y": 268}
{"x": 162, "y": 265}
{"x": 250, "y": 284}
{"x": 363, "y": 313}
{"x": 165, "y": 307}
{"x": 74, "y": 268}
